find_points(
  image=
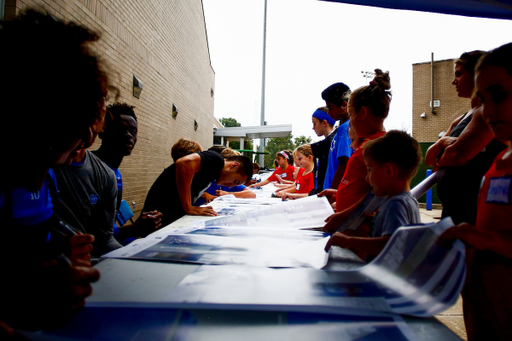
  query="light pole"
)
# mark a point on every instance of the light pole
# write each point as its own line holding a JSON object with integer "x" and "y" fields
{"x": 367, "y": 75}
{"x": 262, "y": 120}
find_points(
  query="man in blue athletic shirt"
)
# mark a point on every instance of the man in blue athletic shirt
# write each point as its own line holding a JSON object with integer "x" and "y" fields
{"x": 336, "y": 99}
{"x": 117, "y": 141}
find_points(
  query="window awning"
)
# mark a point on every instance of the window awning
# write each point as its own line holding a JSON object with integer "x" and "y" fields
{"x": 255, "y": 132}
{"x": 496, "y": 9}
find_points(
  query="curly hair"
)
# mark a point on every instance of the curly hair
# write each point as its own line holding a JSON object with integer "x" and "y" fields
{"x": 113, "y": 115}
{"x": 376, "y": 96}
{"x": 57, "y": 93}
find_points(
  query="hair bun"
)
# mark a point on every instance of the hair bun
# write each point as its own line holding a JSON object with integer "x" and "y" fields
{"x": 381, "y": 80}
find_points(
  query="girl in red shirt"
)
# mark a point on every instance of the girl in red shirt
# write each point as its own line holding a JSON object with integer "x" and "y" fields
{"x": 368, "y": 107}
{"x": 305, "y": 181}
{"x": 285, "y": 170}
{"x": 487, "y": 295}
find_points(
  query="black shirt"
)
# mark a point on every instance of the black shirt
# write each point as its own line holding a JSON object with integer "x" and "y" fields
{"x": 321, "y": 153}
{"x": 163, "y": 196}
{"x": 458, "y": 187}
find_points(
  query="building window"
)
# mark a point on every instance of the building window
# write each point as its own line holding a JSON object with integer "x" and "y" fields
{"x": 174, "y": 111}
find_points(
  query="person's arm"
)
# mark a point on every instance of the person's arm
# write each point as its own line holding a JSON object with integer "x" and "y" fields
{"x": 147, "y": 223}
{"x": 186, "y": 168}
{"x": 370, "y": 246}
{"x": 329, "y": 193}
{"x": 245, "y": 194}
{"x": 437, "y": 149}
{"x": 283, "y": 181}
{"x": 284, "y": 188}
{"x": 478, "y": 238}
{"x": 293, "y": 196}
{"x": 282, "y": 193}
{"x": 208, "y": 197}
{"x": 334, "y": 222}
{"x": 471, "y": 141}
{"x": 340, "y": 171}
{"x": 260, "y": 184}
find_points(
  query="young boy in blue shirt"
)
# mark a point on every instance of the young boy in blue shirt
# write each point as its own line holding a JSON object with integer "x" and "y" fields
{"x": 392, "y": 161}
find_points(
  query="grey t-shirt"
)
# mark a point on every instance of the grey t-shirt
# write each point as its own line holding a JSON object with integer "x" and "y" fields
{"x": 87, "y": 200}
{"x": 397, "y": 211}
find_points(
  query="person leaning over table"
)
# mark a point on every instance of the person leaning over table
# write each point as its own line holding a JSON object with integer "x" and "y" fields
{"x": 180, "y": 185}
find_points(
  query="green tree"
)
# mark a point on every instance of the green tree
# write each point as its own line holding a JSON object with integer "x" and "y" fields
{"x": 299, "y": 141}
{"x": 230, "y": 122}
{"x": 275, "y": 145}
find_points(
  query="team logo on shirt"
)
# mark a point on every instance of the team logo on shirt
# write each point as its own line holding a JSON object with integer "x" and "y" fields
{"x": 93, "y": 198}
{"x": 333, "y": 144}
{"x": 499, "y": 190}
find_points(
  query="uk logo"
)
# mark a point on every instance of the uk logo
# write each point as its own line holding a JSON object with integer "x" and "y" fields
{"x": 94, "y": 199}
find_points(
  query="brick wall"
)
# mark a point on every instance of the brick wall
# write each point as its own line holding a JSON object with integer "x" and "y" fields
{"x": 427, "y": 129}
{"x": 164, "y": 44}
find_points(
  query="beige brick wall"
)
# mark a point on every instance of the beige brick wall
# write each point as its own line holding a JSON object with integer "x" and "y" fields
{"x": 427, "y": 129}
{"x": 164, "y": 44}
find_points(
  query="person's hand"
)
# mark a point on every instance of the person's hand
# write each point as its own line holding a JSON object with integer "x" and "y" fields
{"x": 63, "y": 290}
{"x": 338, "y": 239}
{"x": 220, "y": 193}
{"x": 334, "y": 222}
{"x": 152, "y": 218}
{"x": 80, "y": 249}
{"x": 280, "y": 194}
{"x": 287, "y": 196}
{"x": 470, "y": 235}
{"x": 329, "y": 193}
{"x": 437, "y": 149}
{"x": 208, "y": 197}
{"x": 207, "y": 211}
{"x": 251, "y": 182}
{"x": 253, "y": 185}
{"x": 9, "y": 334}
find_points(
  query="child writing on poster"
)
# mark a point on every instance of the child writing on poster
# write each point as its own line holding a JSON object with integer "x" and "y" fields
{"x": 392, "y": 161}
{"x": 284, "y": 171}
{"x": 305, "y": 182}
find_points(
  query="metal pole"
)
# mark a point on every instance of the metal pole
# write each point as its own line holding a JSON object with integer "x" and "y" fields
{"x": 262, "y": 120}
{"x": 429, "y": 193}
{"x": 432, "y": 83}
